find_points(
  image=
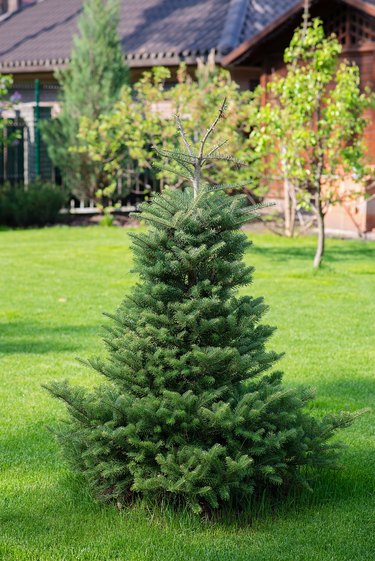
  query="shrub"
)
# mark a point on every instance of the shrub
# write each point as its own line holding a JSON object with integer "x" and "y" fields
{"x": 38, "y": 204}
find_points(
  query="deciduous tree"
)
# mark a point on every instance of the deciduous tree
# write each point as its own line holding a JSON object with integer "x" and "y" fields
{"x": 143, "y": 121}
{"x": 312, "y": 128}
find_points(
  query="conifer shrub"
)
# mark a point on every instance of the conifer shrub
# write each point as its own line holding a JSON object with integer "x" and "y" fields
{"x": 191, "y": 409}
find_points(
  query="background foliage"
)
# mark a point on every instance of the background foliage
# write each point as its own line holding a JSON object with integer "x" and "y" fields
{"x": 142, "y": 122}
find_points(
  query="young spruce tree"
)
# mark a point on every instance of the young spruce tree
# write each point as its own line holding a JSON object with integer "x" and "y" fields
{"x": 90, "y": 85}
{"x": 188, "y": 410}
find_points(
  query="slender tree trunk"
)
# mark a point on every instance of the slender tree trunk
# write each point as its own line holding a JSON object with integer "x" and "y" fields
{"x": 321, "y": 234}
{"x": 306, "y": 15}
{"x": 289, "y": 202}
{"x": 286, "y": 207}
{"x": 293, "y": 210}
{"x": 290, "y": 209}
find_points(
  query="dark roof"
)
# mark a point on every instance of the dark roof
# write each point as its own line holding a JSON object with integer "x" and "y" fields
{"x": 153, "y": 32}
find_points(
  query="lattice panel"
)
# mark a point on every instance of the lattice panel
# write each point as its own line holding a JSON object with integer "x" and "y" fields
{"x": 351, "y": 27}
{"x": 361, "y": 28}
{"x": 338, "y": 24}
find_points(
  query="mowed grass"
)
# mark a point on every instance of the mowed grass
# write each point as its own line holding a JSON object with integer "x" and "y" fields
{"x": 55, "y": 283}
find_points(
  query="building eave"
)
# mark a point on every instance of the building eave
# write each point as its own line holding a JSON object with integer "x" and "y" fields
{"x": 134, "y": 60}
{"x": 25, "y": 66}
{"x": 141, "y": 60}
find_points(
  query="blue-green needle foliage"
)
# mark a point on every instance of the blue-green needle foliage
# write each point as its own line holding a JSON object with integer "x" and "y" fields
{"x": 190, "y": 410}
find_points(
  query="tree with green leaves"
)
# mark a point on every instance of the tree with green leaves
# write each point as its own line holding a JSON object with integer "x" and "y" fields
{"x": 5, "y": 84}
{"x": 188, "y": 411}
{"x": 6, "y": 105}
{"x": 90, "y": 85}
{"x": 142, "y": 122}
{"x": 312, "y": 128}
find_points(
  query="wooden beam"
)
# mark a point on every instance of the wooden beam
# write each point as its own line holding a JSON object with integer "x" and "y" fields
{"x": 362, "y": 5}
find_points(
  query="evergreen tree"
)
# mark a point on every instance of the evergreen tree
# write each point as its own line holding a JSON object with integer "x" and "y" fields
{"x": 90, "y": 86}
{"x": 188, "y": 410}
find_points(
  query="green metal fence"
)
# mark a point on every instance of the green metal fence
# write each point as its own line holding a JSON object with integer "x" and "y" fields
{"x": 23, "y": 152}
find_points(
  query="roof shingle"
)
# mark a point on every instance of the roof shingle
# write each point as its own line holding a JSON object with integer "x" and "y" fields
{"x": 152, "y": 31}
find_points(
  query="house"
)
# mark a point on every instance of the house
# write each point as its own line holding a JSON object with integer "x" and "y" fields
{"x": 36, "y": 39}
{"x": 248, "y": 37}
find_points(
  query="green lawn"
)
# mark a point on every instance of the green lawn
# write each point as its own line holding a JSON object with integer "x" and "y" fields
{"x": 55, "y": 283}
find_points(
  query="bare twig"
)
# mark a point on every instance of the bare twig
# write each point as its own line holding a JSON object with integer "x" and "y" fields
{"x": 183, "y": 136}
{"x": 212, "y": 127}
{"x": 197, "y": 160}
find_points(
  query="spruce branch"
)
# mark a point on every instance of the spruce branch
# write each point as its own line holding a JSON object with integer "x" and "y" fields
{"x": 227, "y": 158}
{"x": 215, "y": 148}
{"x": 175, "y": 155}
{"x": 182, "y": 158}
{"x": 224, "y": 186}
{"x": 171, "y": 170}
{"x": 254, "y": 207}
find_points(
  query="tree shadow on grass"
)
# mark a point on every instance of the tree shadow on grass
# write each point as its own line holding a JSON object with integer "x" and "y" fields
{"x": 39, "y": 338}
{"x": 346, "y": 389}
{"x": 335, "y": 252}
